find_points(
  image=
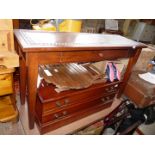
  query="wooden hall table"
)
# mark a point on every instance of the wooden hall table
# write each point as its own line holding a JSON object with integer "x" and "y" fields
{"x": 40, "y": 47}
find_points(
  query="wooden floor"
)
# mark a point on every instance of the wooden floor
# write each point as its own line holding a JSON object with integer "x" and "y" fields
{"x": 21, "y": 128}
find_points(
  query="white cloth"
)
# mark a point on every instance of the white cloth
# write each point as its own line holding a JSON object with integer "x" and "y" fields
{"x": 149, "y": 77}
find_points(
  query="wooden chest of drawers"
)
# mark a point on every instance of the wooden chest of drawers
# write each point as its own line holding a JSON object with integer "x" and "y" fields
{"x": 54, "y": 109}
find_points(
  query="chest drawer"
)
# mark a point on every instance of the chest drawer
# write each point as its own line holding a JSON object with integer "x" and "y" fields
{"x": 70, "y": 110}
{"x": 89, "y": 56}
{"x": 50, "y": 100}
{"x": 52, "y": 124}
{"x": 6, "y": 84}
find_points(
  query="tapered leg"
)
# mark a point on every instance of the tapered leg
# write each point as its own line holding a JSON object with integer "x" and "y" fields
{"x": 22, "y": 72}
{"x": 32, "y": 75}
{"x": 22, "y": 80}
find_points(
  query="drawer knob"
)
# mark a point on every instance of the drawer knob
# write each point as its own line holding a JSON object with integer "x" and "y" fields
{"x": 103, "y": 99}
{"x": 58, "y": 103}
{"x": 64, "y": 113}
{"x": 3, "y": 44}
{"x": 100, "y": 54}
{"x": 116, "y": 85}
{"x": 66, "y": 101}
{"x": 107, "y": 89}
{"x": 56, "y": 115}
{"x": 107, "y": 97}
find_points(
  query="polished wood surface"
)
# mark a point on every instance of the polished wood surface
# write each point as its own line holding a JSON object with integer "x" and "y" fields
{"x": 71, "y": 105}
{"x": 52, "y": 122}
{"x": 90, "y": 49}
{"x": 45, "y": 91}
{"x": 70, "y": 76}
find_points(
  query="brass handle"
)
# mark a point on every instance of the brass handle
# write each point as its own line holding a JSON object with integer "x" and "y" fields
{"x": 64, "y": 113}
{"x": 56, "y": 115}
{"x": 107, "y": 89}
{"x": 116, "y": 85}
{"x": 107, "y": 97}
{"x": 66, "y": 101}
{"x": 100, "y": 54}
{"x": 58, "y": 103}
{"x": 103, "y": 99}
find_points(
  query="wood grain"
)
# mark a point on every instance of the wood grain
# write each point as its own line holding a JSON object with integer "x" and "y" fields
{"x": 68, "y": 76}
{"x": 9, "y": 59}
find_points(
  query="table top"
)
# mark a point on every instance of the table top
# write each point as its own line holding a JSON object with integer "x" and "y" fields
{"x": 45, "y": 39}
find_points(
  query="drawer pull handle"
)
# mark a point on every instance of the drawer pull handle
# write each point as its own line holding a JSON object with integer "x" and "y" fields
{"x": 107, "y": 97}
{"x": 116, "y": 85}
{"x": 64, "y": 113}
{"x": 56, "y": 115}
{"x": 100, "y": 54}
{"x": 66, "y": 101}
{"x": 103, "y": 99}
{"x": 58, "y": 103}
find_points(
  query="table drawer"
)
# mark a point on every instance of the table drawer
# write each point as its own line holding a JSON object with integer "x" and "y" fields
{"x": 67, "y": 111}
{"x": 6, "y": 84}
{"x": 89, "y": 56}
{"x": 49, "y": 102}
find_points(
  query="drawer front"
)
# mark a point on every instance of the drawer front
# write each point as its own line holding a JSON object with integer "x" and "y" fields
{"x": 89, "y": 56}
{"x": 80, "y": 96}
{"x": 66, "y": 112}
{"x": 6, "y": 41}
{"x": 6, "y": 84}
{"x": 54, "y": 124}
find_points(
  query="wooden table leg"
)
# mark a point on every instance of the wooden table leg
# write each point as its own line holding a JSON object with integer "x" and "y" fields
{"x": 32, "y": 65}
{"x": 22, "y": 72}
{"x": 22, "y": 80}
